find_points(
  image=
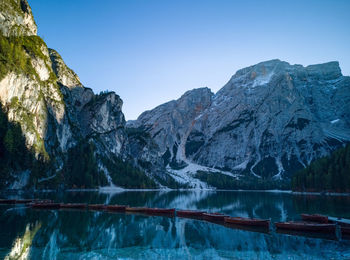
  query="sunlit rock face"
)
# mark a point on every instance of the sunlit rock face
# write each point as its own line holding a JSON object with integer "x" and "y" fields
{"x": 268, "y": 120}
{"x": 16, "y": 18}
{"x": 165, "y": 129}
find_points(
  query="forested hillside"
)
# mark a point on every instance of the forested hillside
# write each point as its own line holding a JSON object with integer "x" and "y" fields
{"x": 331, "y": 173}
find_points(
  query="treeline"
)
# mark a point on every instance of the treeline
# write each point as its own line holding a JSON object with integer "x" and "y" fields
{"x": 331, "y": 173}
{"x": 81, "y": 169}
{"x": 126, "y": 175}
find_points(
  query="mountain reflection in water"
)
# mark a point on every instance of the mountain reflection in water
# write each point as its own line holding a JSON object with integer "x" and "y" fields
{"x": 61, "y": 234}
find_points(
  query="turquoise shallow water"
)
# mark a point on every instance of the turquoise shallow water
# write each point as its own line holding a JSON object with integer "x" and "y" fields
{"x": 58, "y": 234}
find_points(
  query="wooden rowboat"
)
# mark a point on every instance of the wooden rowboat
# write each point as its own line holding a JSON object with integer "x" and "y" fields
{"x": 345, "y": 231}
{"x": 45, "y": 205}
{"x": 97, "y": 206}
{"x": 248, "y": 221}
{"x": 7, "y": 201}
{"x": 214, "y": 216}
{"x": 26, "y": 201}
{"x": 189, "y": 213}
{"x": 136, "y": 209}
{"x": 159, "y": 211}
{"x": 72, "y": 206}
{"x": 116, "y": 207}
{"x": 309, "y": 227}
{"x": 315, "y": 218}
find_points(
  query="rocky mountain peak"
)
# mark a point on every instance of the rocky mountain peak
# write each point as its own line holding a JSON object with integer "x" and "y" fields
{"x": 66, "y": 76}
{"x": 330, "y": 70}
{"x": 16, "y": 18}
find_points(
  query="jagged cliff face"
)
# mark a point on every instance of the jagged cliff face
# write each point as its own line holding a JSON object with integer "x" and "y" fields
{"x": 170, "y": 124}
{"x": 55, "y": 111}
{"x": 268, "y": 120}
{"x": 16, "y": 18}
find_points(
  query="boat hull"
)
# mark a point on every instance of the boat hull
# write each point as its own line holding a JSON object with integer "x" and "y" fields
{"x": 345, "y": 231}
{"x": 97, "y": 207}
{"x": 189, "y": 213}
{"x": 315, "y": 218}
{"x": 119, "y": 208}
{"x": 248, "y": 222}
{"x": 214, "y": 217}
{"x": 324, "y": 228}
{"x": 136, "y": 209}
{"x": 157, "y": 211}
{"x": 72, "y": 206}
{"x": 45, "y": 205}
{"x": 6, "y": 201}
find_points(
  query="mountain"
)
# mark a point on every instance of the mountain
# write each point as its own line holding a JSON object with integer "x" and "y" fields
{"x": 268, "y": 121}
{"x": 79, "y": 137}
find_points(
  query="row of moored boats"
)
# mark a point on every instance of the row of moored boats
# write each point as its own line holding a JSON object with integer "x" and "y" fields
{"x": 309, "y": 223}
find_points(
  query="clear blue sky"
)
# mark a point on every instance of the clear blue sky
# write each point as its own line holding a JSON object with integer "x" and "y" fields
{"x": 152, "y": 51}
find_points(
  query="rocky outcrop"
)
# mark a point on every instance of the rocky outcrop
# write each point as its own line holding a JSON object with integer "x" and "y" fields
{"x": 269, "y": 120}
{"x": 170, "y": 123}
{"x": 16, "y": 18}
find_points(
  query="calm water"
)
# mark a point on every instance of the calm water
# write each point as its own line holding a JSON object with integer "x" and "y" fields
{"x": 58, "y": 234}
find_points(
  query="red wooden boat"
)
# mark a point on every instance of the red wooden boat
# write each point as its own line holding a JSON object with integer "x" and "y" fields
{"x": 345, "y": 231}
{"x": 7, "y": 201}
{"x": 214, "y": 216}
{"x": 302, "y": 226}
{"x": 160, "y": 211}
{"x": 248, "y": 221}
{"x": 72, "y": 206}
{"x": 97, "y": 206}
{"x": 315, "y": 218}
{"x": 136, "y": 209}
{"x": 189, "y": 213}
{"x": 116, "y": 207}
{"x": 45, "y": 205}
{"x": 26, "y": 201}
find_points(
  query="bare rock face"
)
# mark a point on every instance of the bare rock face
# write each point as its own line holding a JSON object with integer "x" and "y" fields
{"x": 169, "y": 124}
{"x": 65, "y": 76}
{"x": 269, "y": 120}
{"x": 157, "y": 137}
{"x": 16, "y": 18}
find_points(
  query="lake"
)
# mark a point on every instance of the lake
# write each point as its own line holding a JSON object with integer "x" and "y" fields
{"x": 74, "y": 234}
